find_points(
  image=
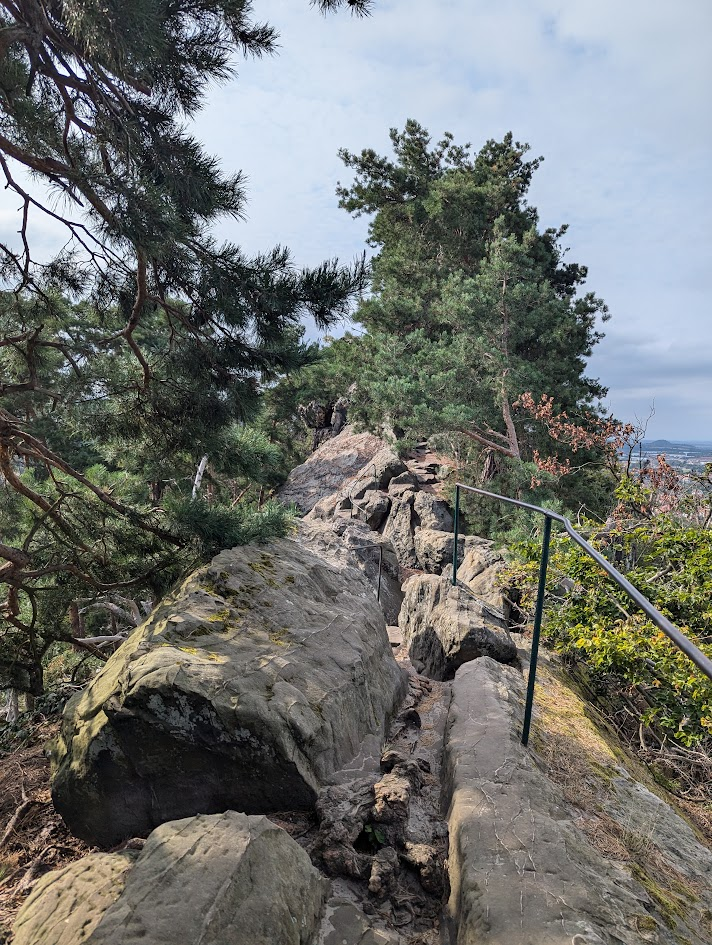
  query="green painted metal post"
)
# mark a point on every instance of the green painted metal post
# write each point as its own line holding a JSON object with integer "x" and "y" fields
{"x": 537, "y": 630}
{"x": 457, "y": 523}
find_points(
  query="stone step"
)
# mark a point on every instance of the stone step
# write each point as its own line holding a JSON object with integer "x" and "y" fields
{"x": 345, "y": 924}
{"x": 395, "y": 636}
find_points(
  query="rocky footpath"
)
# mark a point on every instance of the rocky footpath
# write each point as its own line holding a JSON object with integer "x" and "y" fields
{"x": 401, "y": 807}
{"x": 394, "y": 508}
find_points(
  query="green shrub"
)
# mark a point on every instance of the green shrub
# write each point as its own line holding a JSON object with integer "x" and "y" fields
{"x": 590, "y": 619}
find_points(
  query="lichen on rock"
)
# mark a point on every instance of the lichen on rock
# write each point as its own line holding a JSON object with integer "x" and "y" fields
{"x": 199, "y": 712}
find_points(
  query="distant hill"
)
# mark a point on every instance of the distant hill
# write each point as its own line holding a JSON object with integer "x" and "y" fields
{"x": 670, "y": 446}
{"x": 658, "y": 444}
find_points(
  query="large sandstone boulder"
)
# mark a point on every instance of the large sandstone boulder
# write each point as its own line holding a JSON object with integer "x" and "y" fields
{"x": 338, "y": 459}
{"x": 403, "y": 484}
{"x": 246, "y": 689}
{"x": 206, "y": 880}
{"x": 432, "y": 512}
{"x": 343, "y": 539}
{"x": 372, "y": 508}
{"x": 445, "y": 626}
{"x": 526, "y": 866}
{"x": 329, "y": 506}
{"x": 434, "y": 549}
{"x": 481, "y": 570}
{"x": 65, "y": 906}
{"x": 378, "y": 473}
{"x": 399, "y": 531}
{"x": 480, "y": 556}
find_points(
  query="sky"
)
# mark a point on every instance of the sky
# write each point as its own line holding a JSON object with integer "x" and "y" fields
{"x": 615, "y": 94}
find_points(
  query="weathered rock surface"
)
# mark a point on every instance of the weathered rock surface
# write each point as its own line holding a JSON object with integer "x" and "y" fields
{"x": 445, "y": 626}
{"x": 377, "y": 473}
{"x": 372, "y": 508}
{"x": 433, "y": 549}
{"x": 403, "y": 484}
{"x": 351, "y": 541}
{"x": 432, "y": 512}
{"x": 330, "y": 506}
{"x": 66, "y": 906}
{"x": 325, "y": 471}
{"x": 205, "y": 880}
{"x": 246, "y": 689}
{"x": 326, "y": 420}
{"x": 480, "y": 555}
{"x": 345, "y": 924}
{"x": 399, "y": 531}
{"x": 521, "y": 870}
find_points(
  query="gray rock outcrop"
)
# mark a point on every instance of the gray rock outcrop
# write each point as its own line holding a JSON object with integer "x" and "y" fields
{"x": 432, "y": 512}
{"x": 399, "y": 531}
{"x": 345, "y": 924}
{"x": 403, "y": 484}
{"x": 522, "y": 872}
{"x": 205, "y": 880}
{"x": 445, "y": 626}
{"x": 345, "y": 539}
{"x": 480, "y": 556}
{"x": 325, "y": 471}
{"x": 245, "y": 689}
{"x": 378, "y": 473}
{"x": 482, "y": 571}
{"x": 372, "y": 508}
{"x": 433, "y": 549}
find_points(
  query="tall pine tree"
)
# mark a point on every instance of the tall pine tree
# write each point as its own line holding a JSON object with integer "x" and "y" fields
{"x": 472, "y": 303}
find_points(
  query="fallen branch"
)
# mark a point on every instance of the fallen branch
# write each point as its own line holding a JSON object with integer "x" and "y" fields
{"x": 31, "y": 872}
{"x": 25, "y": 805}
{"x": 15, "y": 819}
{"x": 102, "y": 641}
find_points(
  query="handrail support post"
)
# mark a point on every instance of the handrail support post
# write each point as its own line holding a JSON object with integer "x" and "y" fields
{"x": 455, "y": 536}
{"x": 536, "y": 631}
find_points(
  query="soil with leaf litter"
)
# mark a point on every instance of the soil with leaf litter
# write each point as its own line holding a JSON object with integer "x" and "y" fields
{"x": 33, "y": 837}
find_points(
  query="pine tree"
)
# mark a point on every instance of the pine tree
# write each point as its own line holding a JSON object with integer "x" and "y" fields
{"x": 472, "y": 304}
{"x": 144, "y": 345}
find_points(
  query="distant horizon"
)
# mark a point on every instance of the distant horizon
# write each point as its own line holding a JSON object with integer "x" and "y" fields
{"x": 685, "y": 442}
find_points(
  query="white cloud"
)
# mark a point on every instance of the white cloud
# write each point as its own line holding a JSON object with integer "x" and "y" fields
{"x": 615, "y": 95}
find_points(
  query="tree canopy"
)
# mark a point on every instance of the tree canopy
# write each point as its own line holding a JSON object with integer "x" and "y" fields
{"x": 472, "y": 304}
{"x": 143, "y": 345}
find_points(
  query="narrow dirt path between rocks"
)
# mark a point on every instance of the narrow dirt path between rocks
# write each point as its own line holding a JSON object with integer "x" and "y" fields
{"x": 379, "y": 832}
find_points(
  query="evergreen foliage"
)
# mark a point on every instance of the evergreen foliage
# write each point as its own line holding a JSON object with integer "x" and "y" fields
{"x": 472, "y": 304}
{"x": 144, "y": 345}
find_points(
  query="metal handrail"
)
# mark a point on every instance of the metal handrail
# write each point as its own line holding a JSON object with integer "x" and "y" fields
{"x": 704, "y": 663}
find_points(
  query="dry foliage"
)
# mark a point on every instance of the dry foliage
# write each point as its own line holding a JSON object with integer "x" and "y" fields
{"x": 33, "y": 837}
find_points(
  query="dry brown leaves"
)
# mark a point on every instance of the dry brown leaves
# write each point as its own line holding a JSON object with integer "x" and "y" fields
{"x": 33, "y": 837}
